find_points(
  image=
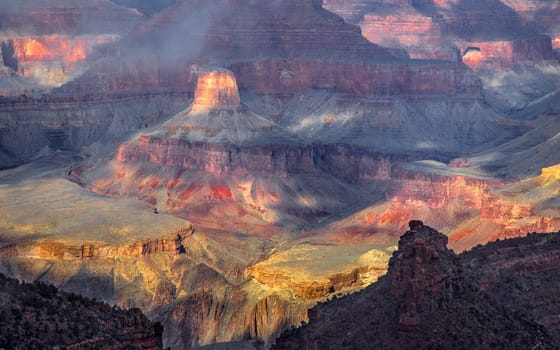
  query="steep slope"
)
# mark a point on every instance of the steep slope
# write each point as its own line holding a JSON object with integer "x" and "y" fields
{"x": 432, "y": 298}
{"x": 38, "y": 316}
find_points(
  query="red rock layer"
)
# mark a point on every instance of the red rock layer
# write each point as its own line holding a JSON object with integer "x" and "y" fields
{"x": 417, "y": 33}
{"x": 55, "y": 47}
{"x": 439, "y": 191}
{"x": 542, "y": 14}
{"x": 268, "y": 160}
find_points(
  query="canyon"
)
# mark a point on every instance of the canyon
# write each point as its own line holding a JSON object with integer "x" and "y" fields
{"x": 225, "y": 166}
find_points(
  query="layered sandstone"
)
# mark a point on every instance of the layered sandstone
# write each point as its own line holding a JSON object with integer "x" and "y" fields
{"x": 203, "y": 287}
{"x": 472, "y": 209}
{"x": 272, "y": 160}
{"x": 75, "y": 120}
{"x": 419, "y": 34}
{"x": 215, "y": 89}
{"x": 329, "y": 269}
{"x": 506, "y": 54}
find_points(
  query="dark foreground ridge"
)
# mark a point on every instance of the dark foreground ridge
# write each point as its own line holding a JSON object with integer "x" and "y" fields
{"x": 37, "y": 316}
{"x": 500, "y": 296}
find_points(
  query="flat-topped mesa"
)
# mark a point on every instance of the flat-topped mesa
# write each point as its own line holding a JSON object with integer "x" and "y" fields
{"x": 216, "y": 89}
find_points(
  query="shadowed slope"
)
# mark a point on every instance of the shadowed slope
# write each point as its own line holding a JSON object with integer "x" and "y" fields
{"x": 432, "y": 298}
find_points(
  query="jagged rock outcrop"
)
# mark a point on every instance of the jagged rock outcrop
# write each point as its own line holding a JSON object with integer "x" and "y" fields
{"x": 430, "y": 298}
{"x": 37, "y": 315}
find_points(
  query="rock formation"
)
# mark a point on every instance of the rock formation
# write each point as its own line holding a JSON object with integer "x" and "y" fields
{"x": 481, "y": 34}
{"x": 432, "y": 298}
{"x": 215, "y": 89}
{"x": 53, "y": 60}
{"x": 37, "y": 315}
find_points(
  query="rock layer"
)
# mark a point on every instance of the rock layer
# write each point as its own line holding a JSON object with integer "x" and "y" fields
{"x": 215, "y": 89}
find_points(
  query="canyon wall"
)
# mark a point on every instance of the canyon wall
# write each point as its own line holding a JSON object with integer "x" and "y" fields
{"x": 51, "y": 60}
{"x": 412, "y": 78}
{"x": 26, "y": 127}
{"x": 506, "y": 54}
{"x": 419, "y": 34}
{"x": 269, "y": 160}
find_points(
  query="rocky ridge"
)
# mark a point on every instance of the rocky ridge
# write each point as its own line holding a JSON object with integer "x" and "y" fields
{"x": 38, "y": 316}
{"x": 432, "y": 297}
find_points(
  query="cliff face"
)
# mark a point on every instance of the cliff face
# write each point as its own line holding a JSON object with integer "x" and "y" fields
{"x": 484, "y": 34}
{"x": 356, "y": 79}
{"x": 197, "y": 304}
{"x": 419, "y": 34}
{"x": 70, "y": 124}
{"x": 215, "y": 89}
{"x": 506, "y": 54}
{"x": 429, "y": 289}
{"x": 37, "y": 315}
{"x": 270, "y": 160}
{"x": 51, "y": 60}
